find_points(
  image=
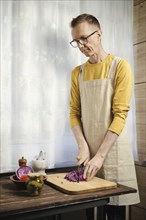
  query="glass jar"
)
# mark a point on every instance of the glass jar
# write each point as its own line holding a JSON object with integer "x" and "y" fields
{"x": 34, "y": 185}
{"x": 22, "y": 162}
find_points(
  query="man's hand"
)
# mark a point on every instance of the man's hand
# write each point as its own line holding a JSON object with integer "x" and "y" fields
{"x": 83, "y": 154}
{"x": 93, "y": 166}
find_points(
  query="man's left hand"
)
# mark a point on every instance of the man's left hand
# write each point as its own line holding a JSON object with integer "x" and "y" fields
{"x": 93, "y": 166}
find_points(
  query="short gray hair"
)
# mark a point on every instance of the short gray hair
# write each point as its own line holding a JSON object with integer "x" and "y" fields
{"x": 90, "y": 19}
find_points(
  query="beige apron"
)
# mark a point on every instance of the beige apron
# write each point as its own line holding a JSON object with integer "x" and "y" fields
{"x": 96, "y": 108}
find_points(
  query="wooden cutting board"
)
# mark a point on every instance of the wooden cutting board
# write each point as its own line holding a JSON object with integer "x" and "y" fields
{"x": 57, "y": 180}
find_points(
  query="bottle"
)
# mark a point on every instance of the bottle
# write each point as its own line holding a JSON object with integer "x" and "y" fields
{"x": 22, "y": 162}
{"x": 34, "y": 185}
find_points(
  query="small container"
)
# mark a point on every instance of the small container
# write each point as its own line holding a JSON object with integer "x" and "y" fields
{"x": 22, "y": 162}
{"x": 34, "y": 185}
{"x": 39, "y": 166}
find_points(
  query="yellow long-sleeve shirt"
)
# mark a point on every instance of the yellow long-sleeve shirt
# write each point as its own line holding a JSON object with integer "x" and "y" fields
{"x": 122, "y": 91}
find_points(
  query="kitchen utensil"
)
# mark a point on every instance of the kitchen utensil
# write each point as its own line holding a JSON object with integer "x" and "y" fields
{"x": 57, "y": 180}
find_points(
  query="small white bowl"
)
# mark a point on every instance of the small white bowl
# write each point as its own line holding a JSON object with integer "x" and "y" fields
{"x": 39, "y": 165}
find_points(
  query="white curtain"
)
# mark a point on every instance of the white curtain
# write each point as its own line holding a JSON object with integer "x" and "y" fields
{"x": 36, "y": 62}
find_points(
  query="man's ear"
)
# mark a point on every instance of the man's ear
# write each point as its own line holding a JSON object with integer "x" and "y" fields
{"x": 99, "y": 32}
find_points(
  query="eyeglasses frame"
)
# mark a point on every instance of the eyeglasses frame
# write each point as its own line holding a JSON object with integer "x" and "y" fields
{"x": 85, "y": 38}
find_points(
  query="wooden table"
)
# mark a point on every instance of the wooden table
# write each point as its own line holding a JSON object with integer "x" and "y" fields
{"x": 17, "y": 204}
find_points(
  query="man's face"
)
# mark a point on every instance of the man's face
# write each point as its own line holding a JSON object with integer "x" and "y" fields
{"x": 82, "y": 31}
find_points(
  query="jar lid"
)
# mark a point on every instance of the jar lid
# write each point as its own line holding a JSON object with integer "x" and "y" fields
{"x": 22, "y": 160}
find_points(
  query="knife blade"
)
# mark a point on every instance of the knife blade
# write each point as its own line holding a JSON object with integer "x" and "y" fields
{"x": 79, "y": 168}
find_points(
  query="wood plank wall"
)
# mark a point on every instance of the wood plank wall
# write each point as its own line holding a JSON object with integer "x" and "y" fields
{"x": 139, "y": 40}
{"x": 138, "y": 212}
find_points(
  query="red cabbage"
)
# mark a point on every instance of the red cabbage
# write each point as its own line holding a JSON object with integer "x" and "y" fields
{"x": 23, "y": 171}
{"x": 75, "y": 176}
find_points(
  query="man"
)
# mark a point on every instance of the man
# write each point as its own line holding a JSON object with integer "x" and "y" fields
{"x": 100, "y": 95}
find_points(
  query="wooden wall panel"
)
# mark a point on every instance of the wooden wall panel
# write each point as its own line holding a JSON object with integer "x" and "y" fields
{"x": 141, "y": 145}
{"x": 138, "y": 211}
{"x": 141, "y": 141}
{"x": 141, "y": 131}
{"x": 139, "y": 31}
{"x": 136, "y": 2}
{"x": 140, "y": 117}
{"x": 140, "y": 90}
{"x": 140, "y": 62}
{"x": 141, "y": 176}
{"x": 140, "y": 100}
{"x": 140, "y": 110}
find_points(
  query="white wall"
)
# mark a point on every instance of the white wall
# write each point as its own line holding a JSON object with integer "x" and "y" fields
{"x": 37, "y": 60}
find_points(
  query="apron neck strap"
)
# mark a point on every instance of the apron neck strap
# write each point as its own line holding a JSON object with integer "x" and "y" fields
{"x": 113, "y": 67}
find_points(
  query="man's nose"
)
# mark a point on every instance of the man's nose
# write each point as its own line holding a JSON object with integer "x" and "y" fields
{"x": 80, "y": 46}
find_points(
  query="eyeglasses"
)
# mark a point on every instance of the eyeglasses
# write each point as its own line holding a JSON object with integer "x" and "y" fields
{"x": 83, "y": 41}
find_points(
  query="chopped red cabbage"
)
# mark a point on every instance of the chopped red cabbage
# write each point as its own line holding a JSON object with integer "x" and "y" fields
{"x": 75, "y": 176}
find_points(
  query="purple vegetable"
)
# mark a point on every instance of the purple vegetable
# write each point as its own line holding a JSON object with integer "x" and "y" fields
{"x": 75, "y": 176}
{"x": 23, "y": 170}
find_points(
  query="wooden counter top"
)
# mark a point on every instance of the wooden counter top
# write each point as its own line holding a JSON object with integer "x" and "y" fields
{"x": 17, "y": 204}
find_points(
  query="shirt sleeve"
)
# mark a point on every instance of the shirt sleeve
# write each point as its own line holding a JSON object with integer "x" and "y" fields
{"x": 121, "y": 97}
{"x": 75, "y": 104}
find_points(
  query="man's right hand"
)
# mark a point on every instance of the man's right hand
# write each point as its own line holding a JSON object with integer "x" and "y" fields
{"x": 83, "y": 154}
